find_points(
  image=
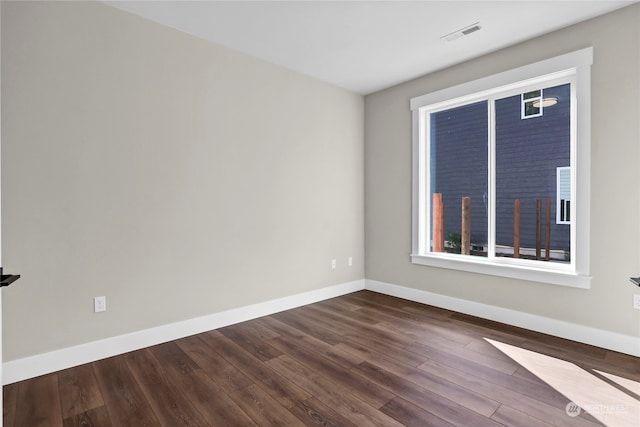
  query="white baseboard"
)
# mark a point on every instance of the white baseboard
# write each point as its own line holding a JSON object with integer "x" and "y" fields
{"x": 610, "y": 340}
{"x": 40, "y": 364}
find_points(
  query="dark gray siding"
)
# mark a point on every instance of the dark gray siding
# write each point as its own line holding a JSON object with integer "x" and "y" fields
{"x": 528, "y": 151}
{"x": 460, "y": 158}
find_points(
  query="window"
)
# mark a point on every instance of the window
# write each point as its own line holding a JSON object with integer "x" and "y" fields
{"x": 531, "y": 104}
{"x": 496, "y": 162}
{"x": 563, "y": 196}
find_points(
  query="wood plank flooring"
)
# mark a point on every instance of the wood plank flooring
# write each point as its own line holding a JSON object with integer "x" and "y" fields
{"x": 363, "y": 359}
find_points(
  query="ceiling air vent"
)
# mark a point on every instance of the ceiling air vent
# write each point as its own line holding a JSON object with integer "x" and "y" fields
{"x": 462, "y": 32}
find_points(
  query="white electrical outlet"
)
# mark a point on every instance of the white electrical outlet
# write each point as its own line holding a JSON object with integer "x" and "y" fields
{"x": 636, "y": 301}
{"x": 99, "y": 304}
{"x": 334, "y": 264}
{"x": 350, "y": 261}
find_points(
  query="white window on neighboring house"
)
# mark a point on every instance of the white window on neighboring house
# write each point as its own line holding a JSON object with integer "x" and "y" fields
{"x": 563, "y": 195}
{"x": 531, "y": 104}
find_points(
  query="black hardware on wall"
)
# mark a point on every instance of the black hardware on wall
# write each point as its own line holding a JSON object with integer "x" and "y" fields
{"x": 635, "y": 280}
{"x": 7, "y": 279}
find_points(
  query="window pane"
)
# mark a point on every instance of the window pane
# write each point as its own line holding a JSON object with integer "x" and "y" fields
{"x": 530, "y": 109}
{"x": 458, "y": 148}
{"x": 528, "y": 155}
{"x": 529, "y": 95}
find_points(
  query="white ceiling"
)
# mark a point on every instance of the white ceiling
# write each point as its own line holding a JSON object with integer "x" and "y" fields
{"x": 365, "y": 46}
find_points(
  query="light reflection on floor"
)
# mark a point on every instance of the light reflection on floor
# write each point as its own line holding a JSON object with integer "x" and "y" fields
{"x": 630, "y": 385}
{"x": 606, "y": 403}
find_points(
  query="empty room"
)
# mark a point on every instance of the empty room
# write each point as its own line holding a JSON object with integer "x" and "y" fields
{"x": 337, "y": 213}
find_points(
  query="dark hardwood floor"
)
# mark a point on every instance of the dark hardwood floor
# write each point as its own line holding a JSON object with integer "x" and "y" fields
{"x": 363, "y": 359}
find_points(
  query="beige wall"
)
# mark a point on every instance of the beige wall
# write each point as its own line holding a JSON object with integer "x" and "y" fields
{"x": 615, "y": 210}
{"x": 180, "y": 179}
{"x": 173, "y": 176}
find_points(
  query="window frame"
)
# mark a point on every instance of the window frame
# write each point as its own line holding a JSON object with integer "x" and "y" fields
{"x": 575, "y": 67}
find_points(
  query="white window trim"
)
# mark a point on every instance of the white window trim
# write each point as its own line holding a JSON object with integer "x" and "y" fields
{"x": 576, "y": 274}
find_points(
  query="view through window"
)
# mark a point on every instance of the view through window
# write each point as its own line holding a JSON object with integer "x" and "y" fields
{"x": 490, "y": 141}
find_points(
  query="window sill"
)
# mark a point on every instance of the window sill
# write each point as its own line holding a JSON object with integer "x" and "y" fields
{"x": 484, "y": 266}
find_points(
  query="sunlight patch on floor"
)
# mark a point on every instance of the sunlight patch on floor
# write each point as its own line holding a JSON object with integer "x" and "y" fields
{"x": 630, "y": 385}
{"x": 603, "y": 401}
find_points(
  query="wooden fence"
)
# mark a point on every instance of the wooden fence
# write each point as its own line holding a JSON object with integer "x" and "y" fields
{"x": 465, "y": 232}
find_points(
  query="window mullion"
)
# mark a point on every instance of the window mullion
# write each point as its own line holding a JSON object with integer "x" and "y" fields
{"x": 425, "y": 184}
{"x": 491, "y": 141}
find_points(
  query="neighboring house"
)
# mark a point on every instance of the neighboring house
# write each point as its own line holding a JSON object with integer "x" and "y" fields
{"x": 532, "y": 152}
